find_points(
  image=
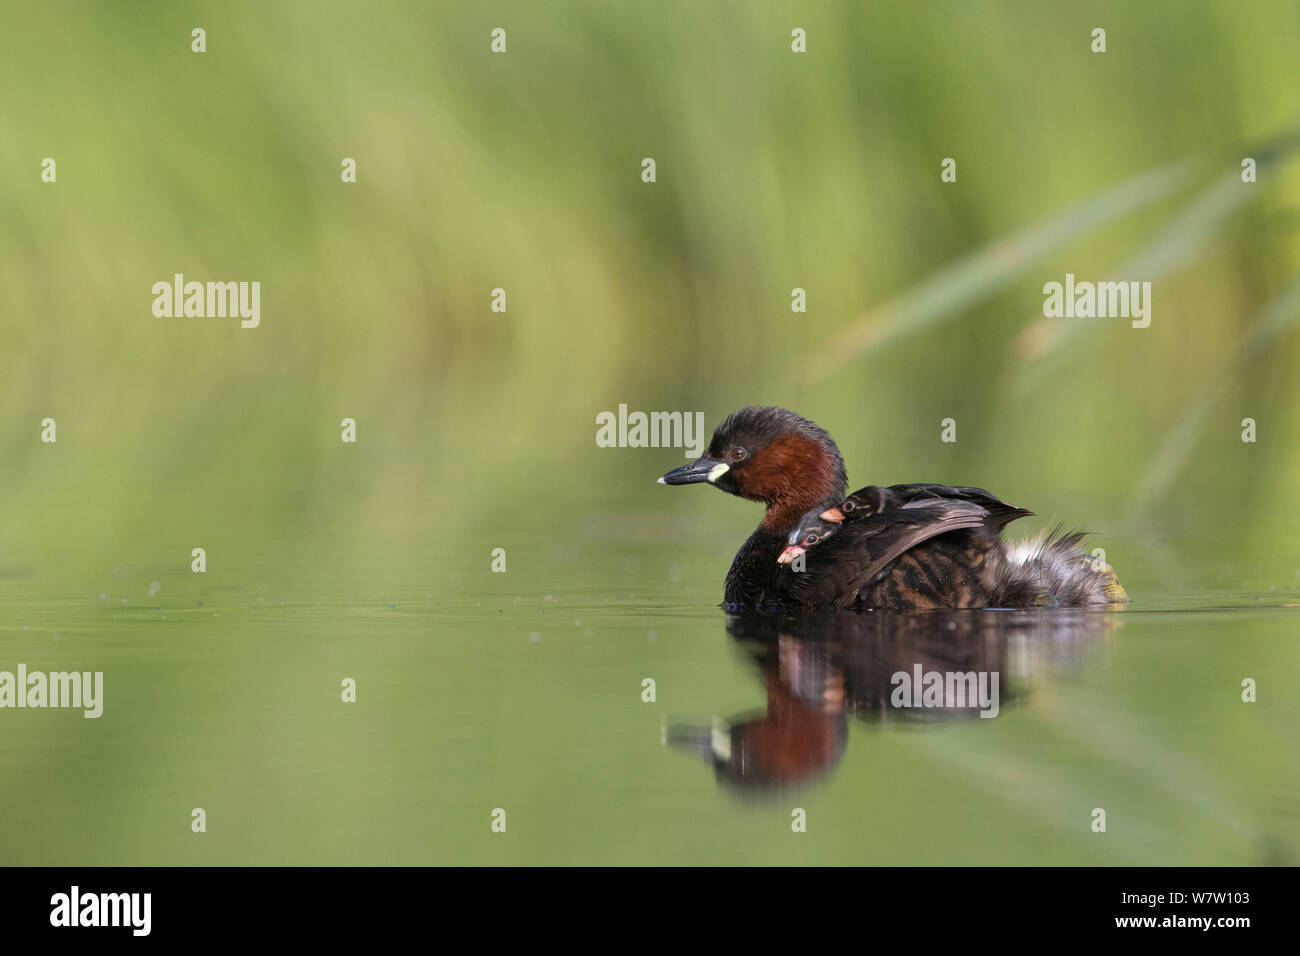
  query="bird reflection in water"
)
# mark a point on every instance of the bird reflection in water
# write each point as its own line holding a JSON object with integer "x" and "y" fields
{"x": 821, "y": 668}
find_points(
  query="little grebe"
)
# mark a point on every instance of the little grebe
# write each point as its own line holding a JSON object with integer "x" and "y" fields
{"x": 900, "y": 547}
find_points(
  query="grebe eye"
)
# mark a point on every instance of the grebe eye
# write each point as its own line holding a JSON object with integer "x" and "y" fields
{"x": 811, "y": 539}
{"x": 738, "y": 453}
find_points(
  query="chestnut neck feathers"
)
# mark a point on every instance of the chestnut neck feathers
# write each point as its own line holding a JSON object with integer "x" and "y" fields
{"x": 790, "y": 464}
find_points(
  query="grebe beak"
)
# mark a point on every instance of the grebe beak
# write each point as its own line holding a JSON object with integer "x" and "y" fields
{"x": 702, "y": 469}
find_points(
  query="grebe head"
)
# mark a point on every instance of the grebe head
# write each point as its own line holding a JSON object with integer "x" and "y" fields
{"x": 770, "y": 455}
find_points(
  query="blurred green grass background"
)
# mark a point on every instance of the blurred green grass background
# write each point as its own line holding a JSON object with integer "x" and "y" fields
{"x": 521, "y": 171}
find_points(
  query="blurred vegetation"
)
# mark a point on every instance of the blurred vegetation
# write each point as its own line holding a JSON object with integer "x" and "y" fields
{"x": 775, "y": 170}
{"x": 522, "y": 171}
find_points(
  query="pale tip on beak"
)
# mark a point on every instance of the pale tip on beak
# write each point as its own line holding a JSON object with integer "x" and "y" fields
{"x": 833, "y": 515}
{"x": 789, "y": 554}
{"x": 661, "y": 481}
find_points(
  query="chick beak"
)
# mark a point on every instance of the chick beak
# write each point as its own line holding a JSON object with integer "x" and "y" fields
{"x": 789, "y": 554}
{"x": 833, "y": 515}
